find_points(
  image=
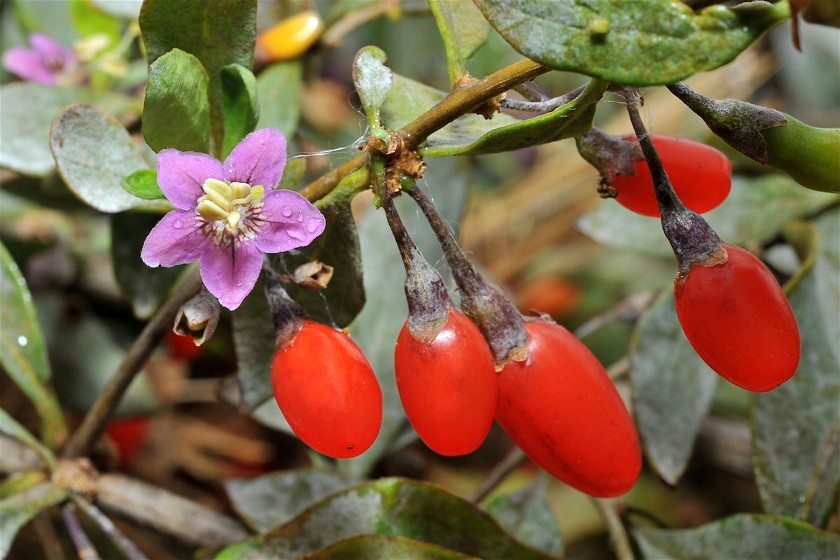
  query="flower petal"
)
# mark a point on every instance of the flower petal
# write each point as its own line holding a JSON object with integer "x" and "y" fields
{"x": 259, "y": 159}
{"x": 52, "y": 51}
{"x": 176, "y": 239}
{"x": 291, "y": 221}
{"x": 27, "y": 65}
{"x": 181, "y": 174}
{"x": 230, "y": 273}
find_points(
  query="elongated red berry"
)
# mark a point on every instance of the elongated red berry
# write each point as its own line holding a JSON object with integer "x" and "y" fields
{"x": 739, "y": 321}
{"x": 447, "y": 387}
{"x": 327, "y": 391}
{"x": 700, "y": 175}
{"x": 562, "y": 410}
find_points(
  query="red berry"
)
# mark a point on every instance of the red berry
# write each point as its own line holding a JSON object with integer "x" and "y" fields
{"x": 327, "y": 391}
{"x": 562, "y": 410}
{"x": 181, "y": 347}
{"x": 128, "y": 435}
{"x": 738, "y": 320}
{"x": 700, "y": 174}
{"x": 448, "y": 387}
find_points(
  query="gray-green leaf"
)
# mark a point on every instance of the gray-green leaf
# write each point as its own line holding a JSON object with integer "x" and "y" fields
{"x": 17, "y": 510}
{"x": 463, "y": 29}
{"x": 526, "y": 514}
{"x": 645, "y": 42}
{"x": 373, "y": 80}
{"x": 278, "y": 88}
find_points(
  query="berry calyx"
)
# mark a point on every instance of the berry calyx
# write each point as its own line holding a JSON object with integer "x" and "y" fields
{"x": 327, "y": 391}
{"x": 447, "y": 386}
{"x": 700, "y": 175}
{"x": 561, "y": 408}
{"x": 739, "y": 321}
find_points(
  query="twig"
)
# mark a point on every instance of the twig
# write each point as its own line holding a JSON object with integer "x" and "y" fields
{"x": 616, "y": 529}
{"x": 542, "y": 106}
{"x": 166, "y": 512}
{"x": 126, "y": 546}
{"x": 48, "y": 537}
{"x": 511, "y": 461}
{"x": 77, "y": 534}
{"x": 93, "y": 425}
{"x": 628, "y": 310}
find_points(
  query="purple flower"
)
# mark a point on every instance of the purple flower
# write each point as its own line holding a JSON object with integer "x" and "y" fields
{"x": 227, "y": 215}
{"x": 45, "y": 63}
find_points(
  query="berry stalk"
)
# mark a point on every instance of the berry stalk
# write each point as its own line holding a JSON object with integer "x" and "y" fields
{"x": 690, "y": 236}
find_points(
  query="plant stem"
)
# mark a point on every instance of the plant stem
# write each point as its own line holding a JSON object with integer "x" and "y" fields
{"x": 511, "y": 461}
{"x": 80, "y": 540}
{"x": 618, "y": 534}
{"x": 83, "y": 439}
{"x": 542, "y": 106}
{"x": 458, "y": 103}
{"x": 126, "y": 546}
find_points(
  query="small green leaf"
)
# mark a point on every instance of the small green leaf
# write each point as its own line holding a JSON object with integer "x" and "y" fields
{"x": 11, "y": 427}
{"x": 526, "y": 514}
{"x": 255, "y": 342}
{"x": 93, "y": 153}
{"x": 408, "y": 99}
{"x": 463, "y": 29}
{"x": 672, "y": 389}
{"x": 27, "y": 111}
{"x": 177, "y": 107}
{"x": 292, "y": 174}
{"x": 371, "y": 547}
{"x": 239, "y": 103}
{"x": 16, "y": 511}
{"x": 391, "y": 507}
{"x": 278, "y": 88}
{"x": 143, "y": 184}
{"x": 740, "y": 536}
{"x": 755, "y": 212}
{"x": 145, "y": 286}
{"x": 650, "y": 42}
{"x": 373, "y": 80}
{"x": 572, "y": 119}
{"x": 218, "y": 33}
{"x": 123, "y": 9}
{"x": 269, "y": 501}
{"x": 23, "y": 354}
{"x": 89, "y": 20}
{"x": 796, "y": 427}
{"x": 338, "y": 247}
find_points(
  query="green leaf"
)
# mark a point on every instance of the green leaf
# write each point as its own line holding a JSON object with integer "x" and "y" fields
{"x": 292, "y": 174}
{"x": 649, "y": 42}
{"x": 373, "y": 80}
{"x": 255, "y": 342}
{"x": 239, "y": 104}
{"x": 672, "y": 389}
{"x": 372, "y": 547}
{"x": 740, "y": 536}
{"x": 93, "y": 153}
{"x": 755, "y": 212}
{"x": 89, "y": 20}
{"x": 408, "y": 99}
{"x": 27, "y": 111}
{"x": 796, "y": 427}
{"x": 572, "y": 119}
{"x": 216, "y": 32}
{"x": 123, "y": 9}
{"x": 16, "y": 511}
{"x": 391, "y": 507}
{"x": 463, "y": 29}
{"x": 23, "y": 354}
{"x": 143, "y": 184}
{"x": 338, "y": 247}
{"x": 376, "y": 328}
{"x": 278, "y": 88}
{"x": 11, "y": 427}
{"x": 145, "y": 286}
{"x": 526, "y": 514}
{"x": 177, "y": 108}
{"x": 269, "y": 501}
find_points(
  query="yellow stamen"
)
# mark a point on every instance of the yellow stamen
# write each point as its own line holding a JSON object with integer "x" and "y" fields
{"x": 233, "y": 222}
{"x": 211, "y": 211}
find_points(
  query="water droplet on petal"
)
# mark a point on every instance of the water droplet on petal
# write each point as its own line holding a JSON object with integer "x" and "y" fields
{"x": 22, "y": 340}
{"x": 239, "y": 284}
{"x": 178, "y": 224}
{"x": 287, "y": 212}
{"x": 313, "y": 226}
{"x": 295, "y": 233}
{"x": 300, "y": 216}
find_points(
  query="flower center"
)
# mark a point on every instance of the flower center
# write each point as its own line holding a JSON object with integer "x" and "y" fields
{"x": 227, "y": 201}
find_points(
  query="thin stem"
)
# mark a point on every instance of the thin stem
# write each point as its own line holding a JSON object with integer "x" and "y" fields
{"x": 509, "y": 464}
{"x": 126, "y": 546}
{"x": 530, "y": 91}
{"x": 544, "y": 105}
{"x": 616, "y": 529}
{"x": 106, "y": 403}
{"x": 80, "y": 540}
